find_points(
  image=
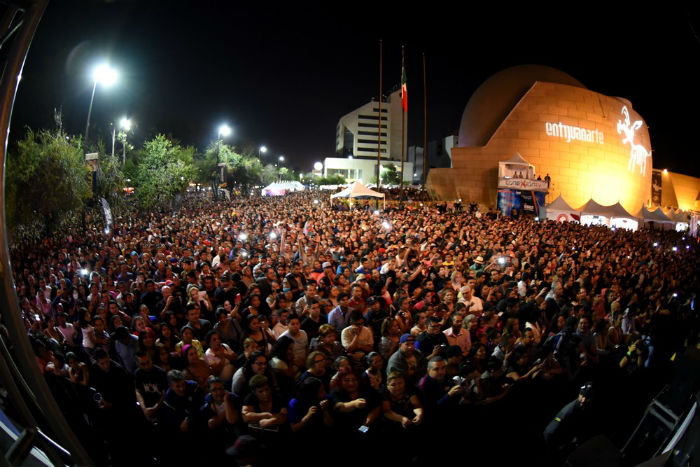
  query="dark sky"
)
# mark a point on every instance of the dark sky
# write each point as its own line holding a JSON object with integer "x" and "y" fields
{"x": 282, "y": 75}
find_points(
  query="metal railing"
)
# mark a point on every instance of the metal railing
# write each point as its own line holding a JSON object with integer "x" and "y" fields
{"x": 38, "y": 416}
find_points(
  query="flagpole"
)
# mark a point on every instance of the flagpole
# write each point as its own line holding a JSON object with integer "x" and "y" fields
{"x": 403, "y": 114}
{"x": 379, "y": 125}
{"x": 425, "y": 127}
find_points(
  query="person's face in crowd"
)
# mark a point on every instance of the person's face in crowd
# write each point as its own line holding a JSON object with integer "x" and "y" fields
{"x": 192, "y": 356}
{"x": 148, "y": 340}
{"x": 254, "y": 325}
{"x": 329, "y": 338}
{"x": 139, "y": 324}
{"x": 294, "y": 326}
{"x": 217, "y": 391}
{"x": 457, "y": 322}
{"x": 396, "y": 386}
{"x": 349, "y": 383}
{"x": 259, "y": 365}
{"x": 193, "y": 314}
{"x": 187, "y": 336}
{"x": 436, "y": 370}
{"x": 481, "y": 353}
{"x": 434, "y": 329}
{"x": 263, "y": 393}
{"x": 215, "y": 342}
{"x": 104, "y": 364}
{"x": 145, "y": 363}
{"x": 583, "y": 325}
{"x": 408, "y": 347}
{"x": 179, "y": 387}
{"x": 343, "y": 302}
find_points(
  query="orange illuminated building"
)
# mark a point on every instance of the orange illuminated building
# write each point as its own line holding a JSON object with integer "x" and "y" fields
{"x": 590, "y": 145}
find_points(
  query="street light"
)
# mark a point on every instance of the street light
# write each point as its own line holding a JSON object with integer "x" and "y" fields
{"x": 124, "y": 124}
{"x": 224, "y": 131}
{"x": 106, "y": 75}
{"x": 262, "y": 150}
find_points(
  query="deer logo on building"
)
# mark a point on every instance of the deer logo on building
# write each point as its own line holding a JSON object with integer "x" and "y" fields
{"x": 638, "y": 153}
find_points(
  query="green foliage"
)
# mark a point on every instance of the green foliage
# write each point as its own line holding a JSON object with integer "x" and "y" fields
{"x": 390, "y": 176}
{"x": 268, "y": 174}
{"x": 335, "y": 179}
{"x": 109, "y": 182}
{"x": 47, "y": 183}
{"x": 163, "y": 169}
{"x": 242, "y": 170}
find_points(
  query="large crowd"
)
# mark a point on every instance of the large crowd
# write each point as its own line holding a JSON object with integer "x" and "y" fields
{"x": 284, "y": 329}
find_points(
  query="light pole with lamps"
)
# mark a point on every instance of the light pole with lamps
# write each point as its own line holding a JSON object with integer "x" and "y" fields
{"x": 106, "y": 75}
{"x": 224, "y": 131}
{"x": 261, "y": 150}
{"x": 124, "y": 124}
{"x": 280, "y": 160}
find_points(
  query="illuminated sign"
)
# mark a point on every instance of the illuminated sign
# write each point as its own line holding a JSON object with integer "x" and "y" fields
{"x": 638, "y": 153}
{"x": 522, "y": 184}
{"x": 575, "y": 133}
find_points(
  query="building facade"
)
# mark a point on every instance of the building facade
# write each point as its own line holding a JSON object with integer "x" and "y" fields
{"x": 590, "y": 145}
{"x": 357, "y": 141}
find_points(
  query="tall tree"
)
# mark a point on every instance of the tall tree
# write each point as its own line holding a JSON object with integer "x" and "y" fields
{"x": 164, "y": 169}
{"x": 47, "y": 183}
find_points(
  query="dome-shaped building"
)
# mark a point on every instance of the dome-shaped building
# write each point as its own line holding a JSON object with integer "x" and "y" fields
{"x": 591, "y": 145}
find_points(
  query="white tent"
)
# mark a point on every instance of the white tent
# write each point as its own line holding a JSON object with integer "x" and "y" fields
{"x": 657, "y": 216}
{"x": 612, "y": 216}
{"x": 281, "y": 188}
{"x": 358, "y": 191}
{"x": 560, "y": 211}
{"x": 680, "y": 218}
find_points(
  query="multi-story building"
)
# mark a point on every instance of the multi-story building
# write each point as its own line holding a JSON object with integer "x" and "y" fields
{"x": 357, "y": 141}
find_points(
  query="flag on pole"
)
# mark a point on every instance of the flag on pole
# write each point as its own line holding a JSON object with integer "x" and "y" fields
{"x": 404, "y": 89}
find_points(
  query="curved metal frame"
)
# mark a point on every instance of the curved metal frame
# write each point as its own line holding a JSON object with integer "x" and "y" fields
{"x": 40, "y": 397}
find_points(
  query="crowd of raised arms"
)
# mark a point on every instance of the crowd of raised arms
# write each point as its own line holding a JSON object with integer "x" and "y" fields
{"x": 285, "y": 328}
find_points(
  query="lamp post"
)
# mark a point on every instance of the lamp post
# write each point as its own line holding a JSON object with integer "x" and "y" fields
{"x": 261, "y": 150}
{"x": 224, "y": 131}
{"x": 124, "y": 124}
{"x": 106, "y": 75}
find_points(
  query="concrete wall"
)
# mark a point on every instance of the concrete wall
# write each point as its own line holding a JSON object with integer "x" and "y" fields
{"x": 680, "y": 191}
{"x": 579, "y": 170}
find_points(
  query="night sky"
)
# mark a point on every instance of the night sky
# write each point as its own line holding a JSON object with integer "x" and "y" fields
{"x": 283, "y": 75}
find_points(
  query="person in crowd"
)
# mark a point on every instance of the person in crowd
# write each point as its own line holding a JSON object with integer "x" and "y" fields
{"x": 556, "y": 282}
{"x": 220, "y": 358}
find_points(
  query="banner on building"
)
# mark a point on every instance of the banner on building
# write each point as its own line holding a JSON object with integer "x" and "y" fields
{"x": 656, "y": 188}
{"x": 520, "y": 202}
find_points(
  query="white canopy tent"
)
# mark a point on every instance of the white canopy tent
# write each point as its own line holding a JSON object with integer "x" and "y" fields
{"x": 614, "y": 215}
{"x": 680, "y": 218}
{"x": 358, "y": 191}
{"x": 281, "y": 188}
{"x": 560, "y": 211}
{"x": 656, "y": 216}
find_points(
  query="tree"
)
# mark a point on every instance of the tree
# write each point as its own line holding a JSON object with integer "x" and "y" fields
{"x": 390, "y": 176}
{"x": 164, "y": 169}
{"x": 269, "y": 174}
{"x": 109, "y": 182}
{"x": 47, "y": 183}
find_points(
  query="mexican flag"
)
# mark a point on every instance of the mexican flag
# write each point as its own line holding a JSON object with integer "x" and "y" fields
{"x": 404, "y": 90}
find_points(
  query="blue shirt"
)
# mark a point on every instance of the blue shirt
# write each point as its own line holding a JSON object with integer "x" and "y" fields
{"x": 338, "y": 319}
